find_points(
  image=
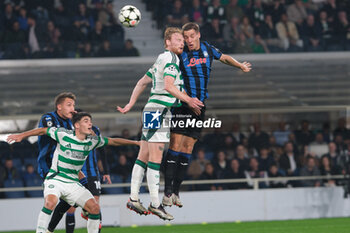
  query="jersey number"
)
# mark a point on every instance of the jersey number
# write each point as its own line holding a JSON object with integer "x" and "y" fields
{"x": 98, "y": 185}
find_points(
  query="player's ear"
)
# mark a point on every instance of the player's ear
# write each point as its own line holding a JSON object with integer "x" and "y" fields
{"x": 199, "y": 35}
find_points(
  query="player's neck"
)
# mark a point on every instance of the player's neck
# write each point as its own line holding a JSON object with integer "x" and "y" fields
{"x": 61, "y": 115}
{"x": 79, "y": 135}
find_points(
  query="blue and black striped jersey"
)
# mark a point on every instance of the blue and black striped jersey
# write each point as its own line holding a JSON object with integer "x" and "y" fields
{"x": 90, "y": 168}
{"x": 195, "y": 67}
{"x": 46, "y": 144}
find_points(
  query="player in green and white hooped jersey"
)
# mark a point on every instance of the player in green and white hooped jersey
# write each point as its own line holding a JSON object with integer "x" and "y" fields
{"x": 166, "y": 90}
{"x": 62, "y": 181}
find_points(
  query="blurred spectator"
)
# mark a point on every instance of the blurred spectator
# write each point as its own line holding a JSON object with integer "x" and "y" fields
{"x": 341, "y": 129}
{"x": 197, "y": 12}
{"x": 15, "y": 35}
{"x": 304, "y": 136}
{"x": 36, "y": 38}
{"x": 265, "y": 159}
{"x": 276, "y": 9}
{"x": 327, "y": 30}
{"x": 177, "y": 15}
{"x": 97, "y": 36}
{"x": 233, "y": 11}
{"x": 297, "y": 12}
{"x": 105, "y": 50}
{"x": 258, "y": 139}
{"x": 242, "y": 157}
{"x": 268, "y": 33}
{"x": 342, "y": 30}
{"x": 312, "y": 34}
{"x": 237, "y": 135}
{"x": 30, "y": 173}
{"x": 288, "y": 33}
{"x": 110, "y": 22}
{"x": 231, "y": 33}
{"x": 333, "y": 155}
{"x": 216, "y": 10}
{"x": 197, "y": 166}
{"x": 289, "y": 161}
{"x": 259, "y": 45}
{"x": 87, "y": 50}
{"x": 215, "y": 140}
{"x": 256, "y": 14}
{"x": 332, "y": 10}
{"x": 254, "y": 172}
{"x": 123, "y": 168}
{"x": 85, "y": 19}
{"x": 282, "y": 134}
{"x": 327, "y": 168}
{"x": 8, "y": 18}
{"x": 22, "y": 19}
{"x": 229, "y": 147}
{"x": 275, "y": 173}
{"x": 129, "y": 50}
{"x": 234, "y": 172}
{"x": 213, "y": 33}
{"x": 10, "y": 171}
{"x": 243, "y": 45}
{"x": 209, "y": 174}
{"x": 247, "y": 29}
{"x": 318, "y": 140}
{"x": 326, "y": 132}
{"x": 310, "y": 169}
{"x": 220, "y": 164}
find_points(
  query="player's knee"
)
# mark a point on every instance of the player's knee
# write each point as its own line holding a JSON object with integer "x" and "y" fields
{"x": 187, "y": 147}
{"x": 50, "y": 204}
{"x": 95, "y": 208}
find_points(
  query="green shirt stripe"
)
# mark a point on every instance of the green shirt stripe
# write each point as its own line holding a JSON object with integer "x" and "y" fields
{"x": 71, "y": 161}
{"x": 71, "y": 140}
{"x": 69, "y": 171}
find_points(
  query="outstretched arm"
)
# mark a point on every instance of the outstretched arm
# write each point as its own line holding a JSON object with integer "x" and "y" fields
{"x": 122, "y": 142}
{"x": 139, "y": 88}
{"x": 228, "y": 60}
{"x": 19, "y": 137}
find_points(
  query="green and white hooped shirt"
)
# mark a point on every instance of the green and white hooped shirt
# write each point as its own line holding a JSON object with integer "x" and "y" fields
{"x": 167, "y": 64}
{"x": 71, "y": 153}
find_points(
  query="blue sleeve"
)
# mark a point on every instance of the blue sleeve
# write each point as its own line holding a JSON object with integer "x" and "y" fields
{"x": 216, "y": 52}
{"x": 46, "y": 121}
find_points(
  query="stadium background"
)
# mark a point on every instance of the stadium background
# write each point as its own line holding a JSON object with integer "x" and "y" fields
{"x": 286, "y": 89}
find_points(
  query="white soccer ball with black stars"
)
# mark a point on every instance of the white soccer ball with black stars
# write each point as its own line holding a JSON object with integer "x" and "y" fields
{"x": 129, "y": 16}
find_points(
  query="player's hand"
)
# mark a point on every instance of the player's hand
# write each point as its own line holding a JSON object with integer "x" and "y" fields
{"x": 125, "y": 109}
{"x": 246, "y": 66}
{"x": 14, "y": 138}
{"x": 195, "y": 103}
{"x": 196, "y": 111}
{"x": 108, "y": 178}
{"x": 137, "y": 143}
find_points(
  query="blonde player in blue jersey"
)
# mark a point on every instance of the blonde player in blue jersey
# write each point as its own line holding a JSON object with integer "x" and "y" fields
{"x": 62, "y": 181}
{"x": 166, "y": 92}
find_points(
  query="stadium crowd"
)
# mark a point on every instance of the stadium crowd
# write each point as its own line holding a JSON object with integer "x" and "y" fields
{"x": 262, "y": 26}
{"x": 221, "y": 155}
{"x": 61, "y": 29}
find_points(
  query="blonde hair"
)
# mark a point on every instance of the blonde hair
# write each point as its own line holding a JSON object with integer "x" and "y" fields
{"x": 169, "y": 32}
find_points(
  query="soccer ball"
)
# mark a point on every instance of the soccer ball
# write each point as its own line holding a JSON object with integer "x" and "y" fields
{"x": 129, "y": 16}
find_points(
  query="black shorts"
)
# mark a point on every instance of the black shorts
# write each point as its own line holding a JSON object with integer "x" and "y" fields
{"x": 184, "y": 113}
{"x": 94, "y": 185}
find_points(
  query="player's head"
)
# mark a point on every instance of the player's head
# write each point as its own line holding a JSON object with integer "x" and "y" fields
{"x": 82, "y": 122}
{"x": 174, "y": 40}
{"x": 192, "y": 35}
{"x": 64, "y": 103}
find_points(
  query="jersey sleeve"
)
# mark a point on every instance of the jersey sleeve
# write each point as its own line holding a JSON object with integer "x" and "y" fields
{"x": 52, "y": 132}
{"x": 99, "y": 141}
{"x": 151, "y": 71}
{"x": 46, "y": 121}
{"x": 216, "y": 52}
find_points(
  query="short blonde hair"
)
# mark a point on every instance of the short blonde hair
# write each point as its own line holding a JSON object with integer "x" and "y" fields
{"x": 169, "y": 32}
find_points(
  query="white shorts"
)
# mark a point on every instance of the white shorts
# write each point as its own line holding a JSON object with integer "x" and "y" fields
{"x": 72, "y": 193}
{"x": 161, "y": 124}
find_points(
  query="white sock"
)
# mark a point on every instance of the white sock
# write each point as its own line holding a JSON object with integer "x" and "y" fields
{"x": 153, "y": 182}
{"x": 137, "y": 175}
{"x": 43, "y": 220}
{"x": 92, "y": 225}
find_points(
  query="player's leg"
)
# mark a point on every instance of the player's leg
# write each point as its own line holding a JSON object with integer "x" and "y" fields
{"x": 84, "y": 199}
{"x": 70, "y": 220}
{"x": 181, "y": 166}
{"x": 153, "y": 174}
{"x": 137, "y": 175}
{"x": 45, "y": 213}
{"x": 170, "y": 163}
{"x": 57, "y": 215}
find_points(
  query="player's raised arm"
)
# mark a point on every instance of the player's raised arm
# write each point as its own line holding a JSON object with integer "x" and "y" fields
{"x": 19, "y": 137}
{"x": 228, "y": 60}
{"x": 138, "y": 89}
{"x": 173, "y": 90}
{"x": 122, "y": 142}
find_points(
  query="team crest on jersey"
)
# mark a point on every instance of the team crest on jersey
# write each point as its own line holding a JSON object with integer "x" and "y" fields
{"x": 205, "y": 53}
{"x": 51, "y": 186}
{"x": 86, "y": 147}
{"x": 68, "y": 152}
